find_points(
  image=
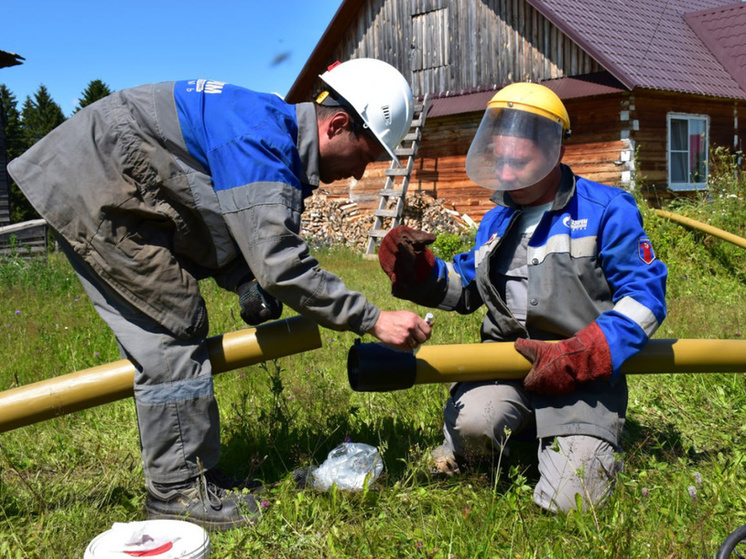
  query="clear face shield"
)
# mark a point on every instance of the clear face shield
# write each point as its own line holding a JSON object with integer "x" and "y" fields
{"x": 513, "y": 149}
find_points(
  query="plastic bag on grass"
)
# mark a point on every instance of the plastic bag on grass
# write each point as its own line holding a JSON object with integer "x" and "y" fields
{"x": 347, "y": 466}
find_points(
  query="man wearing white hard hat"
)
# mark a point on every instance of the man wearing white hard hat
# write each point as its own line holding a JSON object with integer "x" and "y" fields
{"x": 559, "y": 258}
{"x": 156, "y": 187}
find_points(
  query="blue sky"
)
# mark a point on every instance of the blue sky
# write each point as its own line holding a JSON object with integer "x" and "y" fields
{"x": 260, "y": 44}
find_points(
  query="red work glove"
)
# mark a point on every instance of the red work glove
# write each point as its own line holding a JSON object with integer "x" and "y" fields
{"x": 559, "y": 367}
{"x": 405, "y": 258}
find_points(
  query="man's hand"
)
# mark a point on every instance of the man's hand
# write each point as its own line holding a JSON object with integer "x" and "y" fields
{"x": 257, "y": 305}
{"x": 405, "y": 258}
{"x": 401, "y": 329}
{"x": 559, "y": 367}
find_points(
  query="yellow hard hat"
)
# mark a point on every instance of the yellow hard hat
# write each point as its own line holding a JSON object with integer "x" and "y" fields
{"x": 533, "y": 98}
{"x": 519, "y": 140}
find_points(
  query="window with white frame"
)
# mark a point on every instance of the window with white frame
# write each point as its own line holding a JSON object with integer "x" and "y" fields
{"x": 687, "y": 151}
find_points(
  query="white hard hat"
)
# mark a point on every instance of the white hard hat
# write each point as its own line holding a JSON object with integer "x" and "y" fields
{"x": 519, "y": 140}
{"x": 379, "y": 95}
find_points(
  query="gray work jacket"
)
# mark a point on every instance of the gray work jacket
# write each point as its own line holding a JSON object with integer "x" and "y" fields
{"x": 119, "y": 184}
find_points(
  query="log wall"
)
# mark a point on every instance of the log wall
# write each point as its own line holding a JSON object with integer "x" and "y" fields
{"x": 607, "y": 131}
{"x": 24, "y": 239}
{"x": 4, "y": 179}
{"x": 650, "y": 109}
{"x": 440, "y": 166}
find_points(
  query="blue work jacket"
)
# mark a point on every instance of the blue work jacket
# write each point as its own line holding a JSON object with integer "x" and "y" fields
{"x": 589, "y": 259}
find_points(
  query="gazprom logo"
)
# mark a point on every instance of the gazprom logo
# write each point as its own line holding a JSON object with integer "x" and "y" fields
{"x": 209, "y": 86}
{"x": 574, "y": 224}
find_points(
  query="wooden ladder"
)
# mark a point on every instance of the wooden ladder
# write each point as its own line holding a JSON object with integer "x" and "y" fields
{"x": 393, "y": 191}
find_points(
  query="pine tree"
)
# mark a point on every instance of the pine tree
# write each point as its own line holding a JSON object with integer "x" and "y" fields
{"x": 11, "y": 118}
{"x": 40, "y": 116}
{"x": 96, "y": 90}
{"x": 15, "y": 144}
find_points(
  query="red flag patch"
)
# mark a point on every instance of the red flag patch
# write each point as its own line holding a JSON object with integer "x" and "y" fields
{"x": 645, "y": 251}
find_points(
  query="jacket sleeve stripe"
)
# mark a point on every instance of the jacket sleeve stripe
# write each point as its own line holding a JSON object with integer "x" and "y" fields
{"x": 455, "y": 289}
{"x": 639, "y": 314}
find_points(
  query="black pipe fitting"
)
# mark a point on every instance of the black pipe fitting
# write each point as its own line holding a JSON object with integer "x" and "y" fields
{"x": 376, "y": 367}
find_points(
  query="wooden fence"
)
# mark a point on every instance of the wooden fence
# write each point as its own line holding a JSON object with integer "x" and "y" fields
{"x": 24, "y": 239}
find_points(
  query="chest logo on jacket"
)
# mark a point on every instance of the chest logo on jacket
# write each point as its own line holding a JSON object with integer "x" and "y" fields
{"x": 575, "y": 224}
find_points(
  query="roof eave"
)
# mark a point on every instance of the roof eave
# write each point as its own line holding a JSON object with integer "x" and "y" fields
{"x": 8, "y": 59}
{"x": 323, "y": 50}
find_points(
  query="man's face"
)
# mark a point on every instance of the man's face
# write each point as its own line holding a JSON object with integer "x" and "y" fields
{"x": 525, "y": 159}
{"x": 538, "y": 193}
{"x": 516, "y": 161}
{"x": 342, "y": 154}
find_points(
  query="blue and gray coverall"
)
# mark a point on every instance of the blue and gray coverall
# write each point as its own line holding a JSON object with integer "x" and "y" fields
{"x": 588, "y": 259}
{"x": 154, "y": 188}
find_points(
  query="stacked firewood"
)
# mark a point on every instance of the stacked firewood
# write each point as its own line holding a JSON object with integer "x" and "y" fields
{"x": 334, "y": 222}
{"x": 434, "y": 215}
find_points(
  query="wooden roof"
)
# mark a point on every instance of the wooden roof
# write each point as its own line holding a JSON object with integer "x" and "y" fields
{"x": 10, "y": 59}
{"x": 314, "y": 67}
{"x": 686, "y": 46}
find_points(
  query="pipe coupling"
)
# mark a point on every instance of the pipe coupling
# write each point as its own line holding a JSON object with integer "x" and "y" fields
{"x": 376, "y": 367}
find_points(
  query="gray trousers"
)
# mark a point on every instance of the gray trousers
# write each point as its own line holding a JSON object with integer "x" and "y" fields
{"x": 176, "y": 409}
{"x": 480, "y": 418}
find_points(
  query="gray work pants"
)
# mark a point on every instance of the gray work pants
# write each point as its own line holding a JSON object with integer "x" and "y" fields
{"x": 480, "y": 417}
{"x": 176, "y": 409}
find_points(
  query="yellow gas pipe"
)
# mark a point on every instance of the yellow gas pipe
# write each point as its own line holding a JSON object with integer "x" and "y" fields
{"x": 709, "y": 229}
{"x": 374, "y": 367}
{"x": 114, "y": 381}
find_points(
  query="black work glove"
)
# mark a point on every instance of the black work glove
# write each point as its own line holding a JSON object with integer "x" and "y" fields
{"x": 257, "y": 305}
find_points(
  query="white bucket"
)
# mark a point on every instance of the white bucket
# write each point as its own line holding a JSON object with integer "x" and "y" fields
{"x": 162, "y": 539}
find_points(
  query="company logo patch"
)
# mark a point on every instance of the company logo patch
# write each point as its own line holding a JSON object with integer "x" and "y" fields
{"x": 575, "y": 224}
{"x": 208, "y": 86}
{"x": 645, "y": 251}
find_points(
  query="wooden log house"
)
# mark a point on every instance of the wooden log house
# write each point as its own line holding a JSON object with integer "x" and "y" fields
{"x": 650, "y": 85}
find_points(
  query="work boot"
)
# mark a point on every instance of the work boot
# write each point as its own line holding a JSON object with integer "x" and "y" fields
{"x": 444, "y": 461}
{"x": 202, "y": 502}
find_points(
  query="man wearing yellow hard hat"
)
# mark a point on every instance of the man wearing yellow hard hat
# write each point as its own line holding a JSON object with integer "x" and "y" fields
{"x": 559, "y": 258}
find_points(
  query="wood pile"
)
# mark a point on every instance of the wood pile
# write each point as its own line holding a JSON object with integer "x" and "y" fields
{"x": 335, "y": 222}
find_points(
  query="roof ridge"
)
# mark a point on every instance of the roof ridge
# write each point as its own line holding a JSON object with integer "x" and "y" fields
{"x": 731, "y": 55}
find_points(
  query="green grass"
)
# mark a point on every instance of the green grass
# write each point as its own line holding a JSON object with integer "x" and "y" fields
{"x": 63, "y": 481}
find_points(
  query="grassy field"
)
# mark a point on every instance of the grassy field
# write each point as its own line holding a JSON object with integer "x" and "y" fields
{"x": 683, "y": 488}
